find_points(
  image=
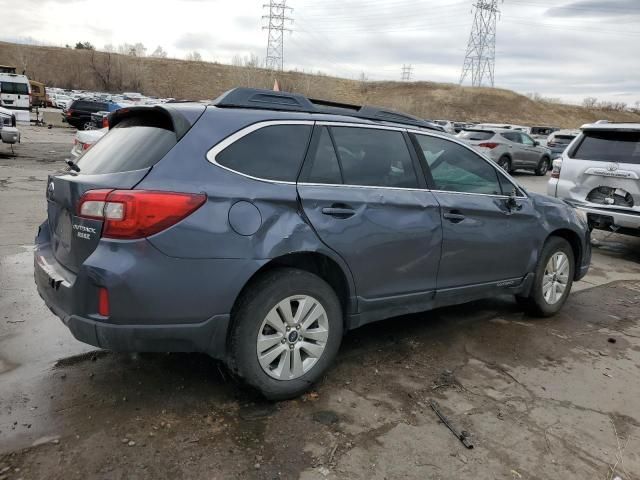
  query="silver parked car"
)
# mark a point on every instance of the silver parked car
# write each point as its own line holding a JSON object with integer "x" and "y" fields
{"x": 511, "y": 149}
{"x": 599, "y": 173}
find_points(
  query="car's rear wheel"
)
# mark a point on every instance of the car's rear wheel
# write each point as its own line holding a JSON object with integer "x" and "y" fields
{"x": 553, "y": 278}
{"x": 286, "y": 331}
{"x": 543, "y": 166}
{"x": 505, "y": 163}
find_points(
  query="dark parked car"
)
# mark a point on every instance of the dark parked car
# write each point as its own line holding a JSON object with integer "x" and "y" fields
{"x": 79, "y": 112}
{"x": 259, "y": 229}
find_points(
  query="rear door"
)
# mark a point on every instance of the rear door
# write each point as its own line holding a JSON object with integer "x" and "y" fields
{"x": 14, "y": 94}
{"x": 361, "y": 190}
{"x": 119, "y": 161}
{"x": 516, "y": 149}
{"x": 484, "y": 241}
{"x": 603, "y": 167}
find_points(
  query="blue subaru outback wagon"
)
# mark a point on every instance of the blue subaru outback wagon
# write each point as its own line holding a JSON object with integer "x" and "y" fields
{"x": 260, "y": 228}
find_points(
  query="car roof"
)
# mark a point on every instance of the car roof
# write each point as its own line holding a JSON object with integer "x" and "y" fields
{"x": 611, "y": 126}
{"x": 293, "y": 103}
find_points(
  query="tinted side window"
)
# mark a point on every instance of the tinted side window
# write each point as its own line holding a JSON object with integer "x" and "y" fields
{"x": 14, "y": 88}
{"x": 273, "y": 153}
{"x": 526, "y": 139}
{"x": 609, "y": 146}
{"x": 511, "y": 136}
{"x": 455, "y": 168}
{"x": 374, "y": 157}
{"x": 323, "y": 165}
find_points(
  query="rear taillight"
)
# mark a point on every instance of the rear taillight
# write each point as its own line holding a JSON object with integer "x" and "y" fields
{"x": 557, "y": 166}
{"x": 551, "y": 144}
{"x": 488, "y": 145}
{"x": 85, "y": 146}
{"x": 131, "y": 214}
{"x": 69, "y": 112}
{"x": 105, "y": 122}
{"x": 103, "y": 302}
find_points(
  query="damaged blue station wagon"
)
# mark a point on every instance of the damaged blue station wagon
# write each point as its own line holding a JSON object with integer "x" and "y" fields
{"x": 260, "y": 228}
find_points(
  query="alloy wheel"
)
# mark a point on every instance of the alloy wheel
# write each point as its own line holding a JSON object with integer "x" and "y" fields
{"x": 556, "y": 278}
{"x": 292, "y": 337}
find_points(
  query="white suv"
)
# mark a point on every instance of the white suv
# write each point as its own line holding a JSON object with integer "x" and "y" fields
{"x": 599, "y": 173}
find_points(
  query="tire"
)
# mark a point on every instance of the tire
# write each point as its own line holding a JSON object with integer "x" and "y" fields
{"x": 263, "y": 306}
{"x": 543, "y": 166}
{"x": 541, "y": 301}
{"x": 505, "y": 163}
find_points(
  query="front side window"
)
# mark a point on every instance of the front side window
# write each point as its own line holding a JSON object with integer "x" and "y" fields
{"x": 273, "y": 153}
{"x": 455, "y": 168}
{"x": 527, "y": 140}
{"x": 374, "y": 157}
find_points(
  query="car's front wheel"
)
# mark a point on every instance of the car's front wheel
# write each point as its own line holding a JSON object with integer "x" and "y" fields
{"x": 553, "y": 278}
{"x": 286, "y": 331}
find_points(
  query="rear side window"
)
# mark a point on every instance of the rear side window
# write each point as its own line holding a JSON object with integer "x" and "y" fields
{"x": 14, "y": 88}
{"x": 609, "y": 146}
{"x": 133, "y": 144}
{"x": 475, "y": 136}
{"x": 323, "y": 165}
{"x": 374, "y": 157}
{"x": 455, "y": 168}
{"x": 273, "y": 153}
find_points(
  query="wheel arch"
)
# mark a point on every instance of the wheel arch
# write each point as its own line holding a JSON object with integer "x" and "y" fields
{"x": 319, "y": 264}
{"x": 574, "y": 240}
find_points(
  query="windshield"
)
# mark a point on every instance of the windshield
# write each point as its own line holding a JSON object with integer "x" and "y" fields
{"x": 609, "y": 146}
{"x": 14, "y": 88}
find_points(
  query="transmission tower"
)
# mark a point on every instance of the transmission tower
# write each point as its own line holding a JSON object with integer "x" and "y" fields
{"x": 480, "y": 59}
{"x": 407, "y": 71}
{"x": 277, "y": 25}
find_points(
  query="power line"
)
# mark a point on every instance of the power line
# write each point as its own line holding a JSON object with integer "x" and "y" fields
{"x": 407, "y": 71}
{"x": 276, "y": 26}
{"x": 480, "y": 58}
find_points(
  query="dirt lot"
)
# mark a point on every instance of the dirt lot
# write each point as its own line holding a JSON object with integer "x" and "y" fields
{"x": 556, "y": 398}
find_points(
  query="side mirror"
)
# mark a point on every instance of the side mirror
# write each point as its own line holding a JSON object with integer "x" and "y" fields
{"x": 536, "y": 143}
{"x": 512, "y": 202}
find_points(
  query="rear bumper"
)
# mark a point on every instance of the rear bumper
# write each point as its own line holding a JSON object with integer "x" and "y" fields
{"x": 206, "y": 337}
{"x": 611, "y": 217}
{"x": 157, "y": 303}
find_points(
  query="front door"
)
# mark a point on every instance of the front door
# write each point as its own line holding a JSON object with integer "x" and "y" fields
{"x": 362, "y": 194}
{"x": 485, "y": 242}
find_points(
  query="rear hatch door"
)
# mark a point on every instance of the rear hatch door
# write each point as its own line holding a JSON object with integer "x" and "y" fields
{"x": 604, "y": 166}
{"x": 138, "y": 139}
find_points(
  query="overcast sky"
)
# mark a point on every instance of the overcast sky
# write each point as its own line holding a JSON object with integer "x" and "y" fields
{"x": 559, "y": 48}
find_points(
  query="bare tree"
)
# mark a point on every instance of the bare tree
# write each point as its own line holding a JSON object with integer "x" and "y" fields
{"x": 194, "y": 56}
{"x": 159, "y": 52}
{"x": 102, "y": 66}
{"x": 590, "y": 102}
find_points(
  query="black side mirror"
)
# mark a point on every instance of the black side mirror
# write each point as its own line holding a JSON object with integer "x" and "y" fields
{"x": 512, "y": 201}
{"x": 536, "y": 143}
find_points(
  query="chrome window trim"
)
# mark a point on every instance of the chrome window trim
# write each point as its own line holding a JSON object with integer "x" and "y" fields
{"x": 488, "y": 160}
{"x": 311, "y": 184}
{"x": 234, "y": 137}
{"x": 337, "y": 123}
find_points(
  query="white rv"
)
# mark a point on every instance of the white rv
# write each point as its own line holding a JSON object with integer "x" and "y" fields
{"x": 15, "y": 94}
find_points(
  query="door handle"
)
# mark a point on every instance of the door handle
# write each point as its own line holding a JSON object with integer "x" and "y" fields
{"x": 454, "y": 216}
{"x": 339, "y": 211}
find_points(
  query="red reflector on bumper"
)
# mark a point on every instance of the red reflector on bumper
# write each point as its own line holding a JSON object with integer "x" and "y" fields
{"x": 103, "y": 301}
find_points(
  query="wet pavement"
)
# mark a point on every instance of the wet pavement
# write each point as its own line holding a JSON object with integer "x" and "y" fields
{"x": 552, "y": 398}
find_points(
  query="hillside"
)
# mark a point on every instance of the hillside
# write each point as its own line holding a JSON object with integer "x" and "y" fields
{"x": 81, "y": 69}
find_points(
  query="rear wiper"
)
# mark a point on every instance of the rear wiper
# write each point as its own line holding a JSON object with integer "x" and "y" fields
{"x": 73, "y": 166}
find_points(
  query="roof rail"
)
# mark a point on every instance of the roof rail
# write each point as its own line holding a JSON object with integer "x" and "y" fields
{"x": 293, "y": 102}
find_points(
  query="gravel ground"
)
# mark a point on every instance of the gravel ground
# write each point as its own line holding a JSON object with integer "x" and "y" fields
{"x": 552, "y": 398}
